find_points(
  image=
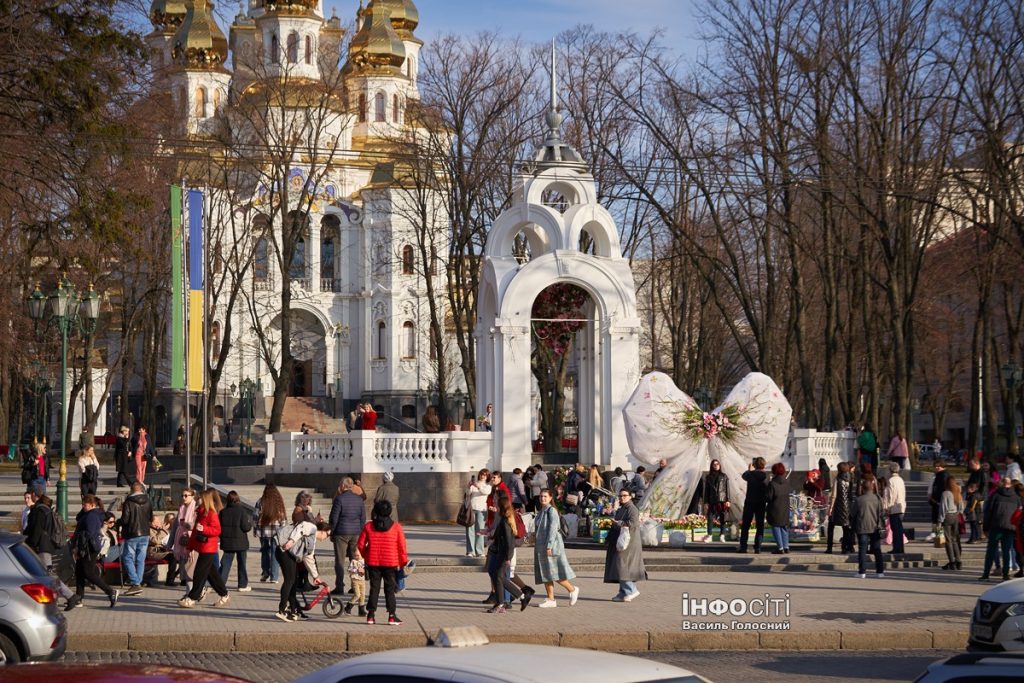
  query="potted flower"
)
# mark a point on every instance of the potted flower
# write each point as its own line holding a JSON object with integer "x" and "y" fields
{"x": 602, "y": 525}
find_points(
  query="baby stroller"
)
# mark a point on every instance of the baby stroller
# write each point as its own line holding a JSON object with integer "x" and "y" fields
{"x": 595, "y": 501}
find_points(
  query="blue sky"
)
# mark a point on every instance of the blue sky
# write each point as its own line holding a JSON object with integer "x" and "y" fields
{"x": 540, "y": 20}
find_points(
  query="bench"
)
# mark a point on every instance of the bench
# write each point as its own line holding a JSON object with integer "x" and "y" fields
{"x": 114, "y": 568}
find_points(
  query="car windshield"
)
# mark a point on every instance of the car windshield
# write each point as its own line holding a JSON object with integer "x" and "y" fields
{"x": 28, "y": 560}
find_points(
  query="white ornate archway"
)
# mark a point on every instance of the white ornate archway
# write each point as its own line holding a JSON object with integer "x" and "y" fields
{"x": 609, "y": 347}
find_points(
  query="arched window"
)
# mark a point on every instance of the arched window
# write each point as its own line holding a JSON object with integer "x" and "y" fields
{"x": 410, "y": 68}
{"x": 309, "y": 49}
{"x": 216, "y": 101}
{"x": 293, "y": 47}
{"x": 261, "y": 261}
{"x": 382, "y": 339}
{"x": 380, "y": 108}
{"x": 200, "y": 111}
{"x": 214, "y": 341}
{"x": 408, "y": 340}
{"x": 396, "y": 114}
{"x": 329, "y": 230}
{"x": 275, "y": 50}
{"x": 408, "y": 261}
{"x": 298, "y": 268}
{"x": 362, "y": 108}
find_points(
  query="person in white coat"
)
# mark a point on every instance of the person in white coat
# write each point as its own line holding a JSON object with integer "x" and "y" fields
{"x": 894, "y": 503}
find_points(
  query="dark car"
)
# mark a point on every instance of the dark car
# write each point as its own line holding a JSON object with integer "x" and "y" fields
{"x": 31, "y": 626}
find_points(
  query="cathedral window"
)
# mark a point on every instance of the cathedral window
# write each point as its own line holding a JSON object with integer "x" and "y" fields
{"x": 216, "y": 101}
{"x": 200, "y": 111}
{"x": 382, "y": 339}
{"x": 293, "y": 48}
{"x": 329, "y": 231}
{"x": 362, "y": 108}
{"x": 214, "y": 341}
{"x": 275, "y": 50}
{"x": 380, "y": 104}
{"x": 408, "y": 340}
{"x": 309, "y": 49}
{"x": 408, "y": 260}
{"x": 298, "y": 268}
{"x": 396, "y": 115}
{"x": 261, "y": 261}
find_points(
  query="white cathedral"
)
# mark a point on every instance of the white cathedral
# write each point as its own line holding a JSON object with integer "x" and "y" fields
{"x": 358, "y": 302}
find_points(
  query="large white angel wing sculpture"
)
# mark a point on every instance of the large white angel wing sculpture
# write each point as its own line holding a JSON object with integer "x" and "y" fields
{"x": 663, "y": 422}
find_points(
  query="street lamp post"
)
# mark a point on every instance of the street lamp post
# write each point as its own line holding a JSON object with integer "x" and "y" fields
{"x": 1012, "y": 375}
{"x": 68, "y": 311}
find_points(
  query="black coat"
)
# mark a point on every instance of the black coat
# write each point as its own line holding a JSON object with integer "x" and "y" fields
{"x": 136, "y": 516}
{"x": 757, "y": 488}
{"x": 716, "y": 487}
{"x": 121, "y": 458}
{"x": 938, "y": 487}
{"x": 843, "y": 500}
{"x": 38, "y": 529}
{"x": 777, "y": 498}
{"x": 235, "y": 525}
{"x": 1000, "y": 508}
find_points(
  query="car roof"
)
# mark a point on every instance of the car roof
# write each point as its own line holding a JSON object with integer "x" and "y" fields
{"x": 521, "y": 662}
{"x": 8, "y": 538}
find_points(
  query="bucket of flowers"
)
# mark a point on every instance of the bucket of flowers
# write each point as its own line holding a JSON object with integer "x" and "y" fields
{"x": 687, "y": 525}
{"x": 601, "y": 526}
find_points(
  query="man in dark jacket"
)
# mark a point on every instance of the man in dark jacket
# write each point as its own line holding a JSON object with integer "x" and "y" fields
{"x": 121, "y": 458}
{"x": 348, "y": 517}
{"x": 136, "y": 517}
{"x": 999, "y": 508}
{"x": 39, "y": 528}
{"x": 754, "y": 504}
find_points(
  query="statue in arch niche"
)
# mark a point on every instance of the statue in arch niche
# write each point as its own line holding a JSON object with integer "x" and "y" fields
{"x": 662, "y": 421}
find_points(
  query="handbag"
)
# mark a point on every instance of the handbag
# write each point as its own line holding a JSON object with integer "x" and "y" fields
{"x": 201, "y": 537}
{"x": 623, "y": 541}
{"x": 572, "y": 499}
{"x": 465, "y": 516}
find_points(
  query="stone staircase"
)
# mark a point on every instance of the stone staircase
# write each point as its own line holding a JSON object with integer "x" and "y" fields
{"x": 918, "y": 510}
{"x": 313, "y": 412}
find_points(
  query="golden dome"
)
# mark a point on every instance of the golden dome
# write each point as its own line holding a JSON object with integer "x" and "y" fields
{"x": 404, "y": 16}
{"x": 199, "y": 43}
{"x": 167, "y": 15}
{"x": 376, "y": 46}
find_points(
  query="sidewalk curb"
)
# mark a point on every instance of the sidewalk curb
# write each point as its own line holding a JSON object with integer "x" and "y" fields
{"x": 373, "y": 640}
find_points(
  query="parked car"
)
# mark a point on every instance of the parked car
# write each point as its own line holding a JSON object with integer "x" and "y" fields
{"x": 113, "y": 673}
{"x": 498, "y": 662}
{"x": 929, "y": 451}
{"x": 997, "y": 622}
{"x": 31, "y": 627}
{"x": 975, "y": 668}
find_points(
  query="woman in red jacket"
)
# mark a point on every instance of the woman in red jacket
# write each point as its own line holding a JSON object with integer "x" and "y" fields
{"x": 382, "y": 545}
{"x": 204, "y": 540}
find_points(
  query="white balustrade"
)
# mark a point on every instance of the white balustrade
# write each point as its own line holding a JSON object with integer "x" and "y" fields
{"x": 805, "y": 447}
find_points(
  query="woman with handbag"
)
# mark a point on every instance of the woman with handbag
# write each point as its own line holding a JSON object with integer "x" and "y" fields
{"x": 185, "y": 558}
{"x": 477, "y": 493}
{"x": 624, "y": 562}
{"x": 205, "y": 540}
{"x": 501, "y": 556}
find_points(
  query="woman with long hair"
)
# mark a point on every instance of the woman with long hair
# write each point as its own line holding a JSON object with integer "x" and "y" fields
{"x": 235, "y": 525}
{"x": 205, "y": 540}
{"x": 269, "y": 515}
{"x": 550, "y": 563}
{"x": 952, "y": 504}
{"x": 716, "y": 498}
{"x": 85, "y": 547}
{"x": 500, "y": 555}
{"x": 382, "y": 544}
{"x": 476, "y": 494}
{"x": 182, "y": 529}
{"x": 88, "y": 470}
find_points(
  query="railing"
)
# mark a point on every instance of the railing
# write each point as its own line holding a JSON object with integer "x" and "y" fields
{"x": 263, "y": 284}
{"x": 366, "y": 451}
{"x": 330, "y": 285}
{"x": 805, "y": 447}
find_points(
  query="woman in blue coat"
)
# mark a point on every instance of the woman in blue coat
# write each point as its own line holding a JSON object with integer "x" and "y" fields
{"x": 550, "y": 564}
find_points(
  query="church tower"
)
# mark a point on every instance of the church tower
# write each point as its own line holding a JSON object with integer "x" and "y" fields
{"x": 289, "y": 33}
{"x": 166, "y": 17}
{"x": 199, "y": 82}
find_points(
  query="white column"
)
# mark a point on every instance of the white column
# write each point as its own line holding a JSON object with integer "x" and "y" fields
{"x": 512, "y": 446}
{"x": 314, "y": 256}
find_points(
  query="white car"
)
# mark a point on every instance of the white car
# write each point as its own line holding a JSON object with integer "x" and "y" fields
{"x": 997, "y": 622}
{"x": 975, "y": 668}
{"x": 498, "y": 663}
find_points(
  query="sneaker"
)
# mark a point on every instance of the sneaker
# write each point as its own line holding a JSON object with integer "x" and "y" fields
{"x": 370, "y": 621}
{"x": 548, "y": 604}
{"x": 202, "y": 596}
{"x": 880, "y": 575}
{"x": 283, "y": 616}
{"x": 619, "y": 597}
{"x": 574, "y": 596}
{"x": 293, "y": 616}
{"x": 73, "y": 602}
{"x": 133, "y": 589}
{"x": 393, "y": 620}
{"x": 302, "y": 615}
{"x": 630, "y": 597}
{"x": 861, "y": 576}
{"x": 186, "y": 602}
{"x": 224, "y": 600}
{"x": 113, "y": 598}
{"x": 707, "y": 539}
{"x": 490, "y": 599}
{"x": 264, "y": 579}
{"x": 245, "y": 589}
{"x": 524, "y": 601}
{"x": 983, "y": 577}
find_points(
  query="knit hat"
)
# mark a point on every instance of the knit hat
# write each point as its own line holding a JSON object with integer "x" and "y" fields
{"x": 389, "y": 476}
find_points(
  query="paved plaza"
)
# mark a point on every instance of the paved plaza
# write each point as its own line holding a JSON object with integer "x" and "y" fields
{"x": 915, "y": 608}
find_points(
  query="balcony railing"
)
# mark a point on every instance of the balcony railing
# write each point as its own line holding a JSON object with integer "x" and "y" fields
{"x": 264, "y": 284}
{"x": 328, "y": 284}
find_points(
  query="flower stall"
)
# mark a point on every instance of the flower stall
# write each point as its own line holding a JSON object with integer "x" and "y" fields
{"x": 807, "y": 518}
{"x": 658, "y": 530}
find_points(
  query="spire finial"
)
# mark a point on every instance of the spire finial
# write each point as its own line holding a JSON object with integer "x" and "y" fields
{"x": 553, "y": 118}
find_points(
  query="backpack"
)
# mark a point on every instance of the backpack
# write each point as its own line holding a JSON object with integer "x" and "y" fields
{"x": 283, "y": 534}
{"x": 58, "y": 532}
{"x": 563, "y": 527}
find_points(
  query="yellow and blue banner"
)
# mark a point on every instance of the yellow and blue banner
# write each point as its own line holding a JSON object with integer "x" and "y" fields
{"x": 177, "y": 293}
{"x": 196, "y": 305}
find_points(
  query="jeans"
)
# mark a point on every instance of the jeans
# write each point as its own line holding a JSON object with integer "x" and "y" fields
{"x": 133, "y": 558}
{"x": 475, "y": 541}
{"x": 750, "y": 513}
{"x": 998, "y": 540}
{"x": 387, "y": 575}
{"x": 781, "y": 535}
{"x": 344, "y": 549}
{"x": 951, "y": 529}
{"x": 975, "y": 530}
{"x": 627, "y": 588}
{"x": 896, "y": 524}
{"x": 716, "y": 511}
{"x": 268, "y": 559}
{"x": 225, "y": 567}
{"x": 870, "y": 543}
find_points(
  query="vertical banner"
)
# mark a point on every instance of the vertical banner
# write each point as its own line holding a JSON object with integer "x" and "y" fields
{"x": 177, "y": 293}
{"x": 196, "y": 312}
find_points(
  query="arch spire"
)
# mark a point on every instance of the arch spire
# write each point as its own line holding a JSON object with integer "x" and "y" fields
{"x": 555, "y": 152}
